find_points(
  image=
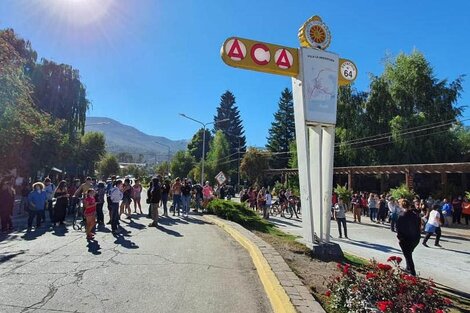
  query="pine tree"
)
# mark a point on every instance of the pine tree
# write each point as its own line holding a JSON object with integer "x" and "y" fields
{"x": 282, "y": 131}
{"x": 232, "y": 129}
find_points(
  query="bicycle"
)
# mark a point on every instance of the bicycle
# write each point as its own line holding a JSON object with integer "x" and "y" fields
{"x": 291, "y": 208}
{"x": 78, "y": 221}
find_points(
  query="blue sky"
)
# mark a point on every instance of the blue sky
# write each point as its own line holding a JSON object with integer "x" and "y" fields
{"x": 145, "y": 61}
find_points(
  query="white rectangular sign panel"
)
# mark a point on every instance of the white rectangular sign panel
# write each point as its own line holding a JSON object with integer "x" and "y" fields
{"x": 320, "y": 85}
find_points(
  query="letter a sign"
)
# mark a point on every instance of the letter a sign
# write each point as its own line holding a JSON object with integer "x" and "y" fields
{"x": 260, "y": 56}
{"x": 236, "y": 50}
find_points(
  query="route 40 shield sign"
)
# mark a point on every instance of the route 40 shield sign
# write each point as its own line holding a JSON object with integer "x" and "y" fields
{"x": 221, "y": 178}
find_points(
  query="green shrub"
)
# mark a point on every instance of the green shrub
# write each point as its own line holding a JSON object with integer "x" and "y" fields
{"x": 343, "y": 193}
{"x": 402, "y": 192}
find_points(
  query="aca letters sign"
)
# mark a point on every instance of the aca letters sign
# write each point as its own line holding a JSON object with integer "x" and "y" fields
{"x": 260, "y": 56}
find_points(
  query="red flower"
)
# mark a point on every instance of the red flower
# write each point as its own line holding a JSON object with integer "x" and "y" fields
{"x": 398, "y": 259}
{"x": 346, "y": 269}
{"x": 417, "y": 306}
{"x": 430, "y": 291}
{"x": 371, "y": 275}
{"x": 328, "y": 293}
{"x": 383, "y": 306}
{"x": 384, "y": 267}
{"x": 447, "y": 301}
{"x": 339, "y": 266}
{"x": 410, "y": 278}
{"x": 439, "y": 311}
{"x": 392, "y": 258}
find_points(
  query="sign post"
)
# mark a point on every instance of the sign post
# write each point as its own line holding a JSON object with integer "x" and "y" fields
{"x": 316, "y": 75}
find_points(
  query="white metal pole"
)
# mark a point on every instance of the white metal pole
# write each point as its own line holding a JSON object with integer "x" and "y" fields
{"x": 327, "y": 156}
{"x": 315, "y": 144}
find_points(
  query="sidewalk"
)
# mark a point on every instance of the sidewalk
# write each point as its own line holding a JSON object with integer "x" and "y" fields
{"x": 448, "y": 266}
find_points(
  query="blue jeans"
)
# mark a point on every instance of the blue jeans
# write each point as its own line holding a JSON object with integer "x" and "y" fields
{"x": 373, "y": 214}
{"x": 114, "y": 215}
{"x": 176, "y": 204}
{"x": 186, "y": 203}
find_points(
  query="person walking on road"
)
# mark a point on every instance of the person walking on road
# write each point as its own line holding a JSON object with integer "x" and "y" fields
{"x": 99, "y": 197}
{"x": 62, "y": 201}
{"x": 7, "y": 202}
{"x": 186, "y": 196}
{"x": 89, "y": 204}
{"x": 176, "y": 191}
{"x": 166, "y": 186}
{"x": 372, "y": 203}
{"x": 126, "y": 199}
{"x": 408, "y": 234}
{"x": 356, "y": 206}
{"x": 115, "y": 196}
{"x": 340, "y": 217}
{"x": 207, "y": 194}
{"x": 447, "y": 212}
{"x": 394, "y": 211}
{"x": 267, "y": 206}
{"x": 457, "y": 208}
{"x": 154, "y": 196}
{"x": 37, "y": 204}
{"x": 433, "y": 226}
{"x": 136, "y": 194}
{"x": 49, "y": 189}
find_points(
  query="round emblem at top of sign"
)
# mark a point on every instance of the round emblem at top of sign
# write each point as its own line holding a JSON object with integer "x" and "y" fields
{"x": 315, "y": 34}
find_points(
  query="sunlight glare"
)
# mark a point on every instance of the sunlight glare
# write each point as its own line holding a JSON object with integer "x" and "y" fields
{"x": 78, "y": 12}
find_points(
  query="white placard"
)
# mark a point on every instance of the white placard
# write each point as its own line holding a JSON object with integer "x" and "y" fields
{"x": 320, "y": 85}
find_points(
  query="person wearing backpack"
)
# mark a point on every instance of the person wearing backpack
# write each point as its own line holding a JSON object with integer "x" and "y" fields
{"x": 154, "y": 196}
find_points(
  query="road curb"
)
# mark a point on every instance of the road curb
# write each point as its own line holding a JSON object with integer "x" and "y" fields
{"x": 284, "y": 289}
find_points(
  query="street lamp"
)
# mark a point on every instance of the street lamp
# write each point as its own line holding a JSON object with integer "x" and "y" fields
{"x": 203, "y": 139}
{"x": 168, "y": 162}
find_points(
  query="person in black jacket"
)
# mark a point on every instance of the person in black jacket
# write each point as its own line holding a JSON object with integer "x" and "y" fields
{"x": 154, "y": 194}
{"x": 408, "y": 234}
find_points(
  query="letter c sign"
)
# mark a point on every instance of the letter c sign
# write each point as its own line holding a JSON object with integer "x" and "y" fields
{"x": 260, "y": 54}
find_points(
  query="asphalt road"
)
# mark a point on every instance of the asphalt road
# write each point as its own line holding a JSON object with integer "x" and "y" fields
{"x": 449, "y": 265}
{"x": 183, "y": 266}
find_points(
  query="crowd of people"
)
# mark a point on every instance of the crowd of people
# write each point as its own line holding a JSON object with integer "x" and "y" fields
{"x": 44, "y": 200}
{"x": 409, "y": 219}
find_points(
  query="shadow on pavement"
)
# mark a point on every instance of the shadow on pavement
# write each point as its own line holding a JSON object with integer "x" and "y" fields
{"x": 169, "y": 231}
{"x": 126, "y": 243}
{"x": 103, "y": 229}
{"x": 136, "y": 225}
{"x": 193, "y": 220}
{"x": 369, "y": 245}
{"x": 285, "y": 223}
{"x": 60, "y": 230}
{"x": 32, "y": 235}
{"x": 453, "y": 291}
{"x": 94, "y": 247}
{"x": 168, "y": 221}
{"x": 456, "y": 251}
{"x": 8, "y": 256}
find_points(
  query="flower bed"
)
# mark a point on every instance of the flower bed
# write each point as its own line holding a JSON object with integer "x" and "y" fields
{"x": 383, "y": 288}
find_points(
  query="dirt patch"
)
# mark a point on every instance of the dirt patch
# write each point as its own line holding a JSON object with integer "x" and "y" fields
{"x": 313, "y": 273}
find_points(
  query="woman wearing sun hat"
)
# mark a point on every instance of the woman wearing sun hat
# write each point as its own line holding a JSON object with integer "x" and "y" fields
{"x": 37, "y": 203}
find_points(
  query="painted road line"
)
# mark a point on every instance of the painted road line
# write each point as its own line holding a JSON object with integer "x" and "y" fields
{"x": 278, "y": 297}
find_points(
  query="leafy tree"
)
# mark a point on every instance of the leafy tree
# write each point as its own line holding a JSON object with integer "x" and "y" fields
{"x": 218, "y": 158}
{"x": 253, "y": 165}
{"x": 108, "y": 166}
{"x": 405, "y": 103}
{"x": 59, "y": 91}
{"x": 195, "y": 145}
{"x": 232, "y": 127}
{"x": 92, "y": 149}
{"x": 134, "y": 170}
{"x": 162, "y": 168}
{"x": 22, "y": 128}
{"x": 282, "y": 131}
{"x": 181, "y": 164}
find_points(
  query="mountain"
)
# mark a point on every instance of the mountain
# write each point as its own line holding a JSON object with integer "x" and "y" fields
{"x": 124, "y": 138}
